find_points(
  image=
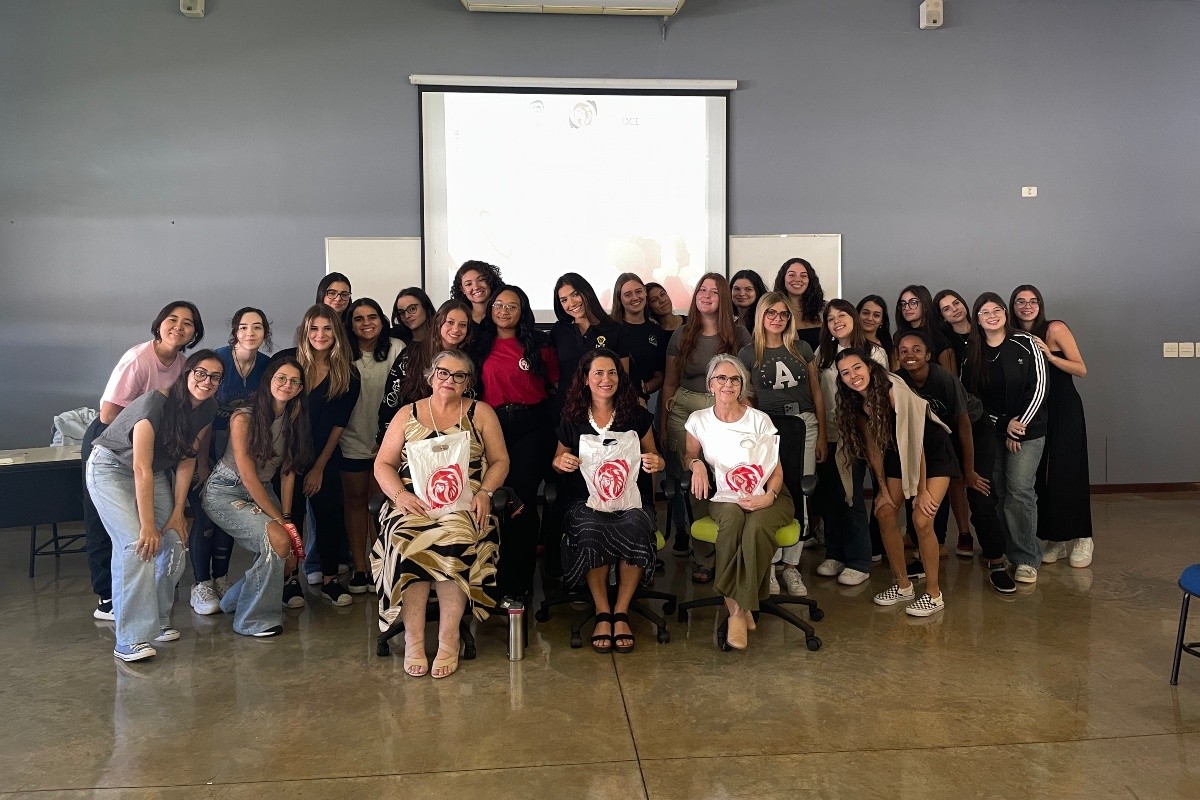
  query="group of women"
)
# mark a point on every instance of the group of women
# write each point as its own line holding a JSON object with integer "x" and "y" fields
{"x": 263, "y": 447}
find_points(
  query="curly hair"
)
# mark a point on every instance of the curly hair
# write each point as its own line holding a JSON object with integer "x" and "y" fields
{"x": 297, "y": 437}
{"x": 813, "y": 299}
{"x": 178, "y": 433}
{"x": 870, "y": 408}
{"x": 578, "y": 401}
{"x": 490, "y": 273}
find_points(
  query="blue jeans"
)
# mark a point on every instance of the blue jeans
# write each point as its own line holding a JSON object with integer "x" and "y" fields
{"x": 1013, "y": 483}
{"x": 143, "y": 591}
{"x": 254, "y": 599}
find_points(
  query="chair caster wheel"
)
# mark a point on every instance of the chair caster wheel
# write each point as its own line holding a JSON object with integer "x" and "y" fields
{"x": 816, "y": 614}
{"x": 814, "y": 643}
{"x": 669, "y": 607}
{"x": 541, "y": 615}
{"x": 723, "y": 645}
{"x": 383, "y": 649}
{"x": 682, "y": 616}
{"x": 664, "y": 636}
{"x": 576, "y": 642}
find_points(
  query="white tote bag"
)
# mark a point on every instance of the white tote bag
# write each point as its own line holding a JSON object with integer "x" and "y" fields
{"x": 438, "y": 468}
{"x": 744, "y": 462}
{"x": 610, "y": 468}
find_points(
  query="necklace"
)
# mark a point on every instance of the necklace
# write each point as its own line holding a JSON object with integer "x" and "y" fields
{"x": 244, "y": 367}
{"x": 433, "y": 417}
{"x": 602, "y": 429}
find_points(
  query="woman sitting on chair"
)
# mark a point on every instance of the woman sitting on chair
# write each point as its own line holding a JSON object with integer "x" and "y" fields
{"x": 746, "y": 528}
{"x": 602, "y": 400}
{"x": 455, "y": 552}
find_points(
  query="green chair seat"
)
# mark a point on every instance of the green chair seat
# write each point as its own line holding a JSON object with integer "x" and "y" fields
{"x": 705, "y": 530}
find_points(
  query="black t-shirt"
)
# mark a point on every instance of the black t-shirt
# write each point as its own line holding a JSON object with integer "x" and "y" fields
{"x": 647, "y": 345}
{"x": 994, "y": 398}
{"x": 572, "y": 486}
{"x": 326, "y": 413}
{"x": 571, "y": 346}
{"x": 810, "y": 336}
{"x": 944, "y": 393}
{"x": 958, "y": 343}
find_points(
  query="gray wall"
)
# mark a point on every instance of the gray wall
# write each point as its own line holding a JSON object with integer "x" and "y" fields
{"x": 145, "y": 156}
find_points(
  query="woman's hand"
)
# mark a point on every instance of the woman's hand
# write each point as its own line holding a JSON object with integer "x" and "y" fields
{"x": 652, "y": 462}
{"x": 481, "y": 507}
{"x": 312, "y": 482}
{"x": 409, "y": 503}
{"x": 566, "y": 462}
{"x": 924, "y": 501}
{"x": 1015, "y": 429}
{"x": 756, "y": 502}
{"x": 1041, "y": 345}
{"x": 176, "y": 523}
{"x": 699, "y": 481}
{"x": 883, "y": 500}
{"x": 147, "y": 543}
{"x": 1013, "y": 445}
{"x": 822, "y": 450}
{"x": 977, "y": 482}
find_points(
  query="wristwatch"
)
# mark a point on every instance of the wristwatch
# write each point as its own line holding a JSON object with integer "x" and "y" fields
{"x": 489, "y": 493}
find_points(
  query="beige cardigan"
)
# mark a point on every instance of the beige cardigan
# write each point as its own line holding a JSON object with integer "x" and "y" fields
{"x": 912, "y": 412}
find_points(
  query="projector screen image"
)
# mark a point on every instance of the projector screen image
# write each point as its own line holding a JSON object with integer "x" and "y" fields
{"x": 545, "y": 183}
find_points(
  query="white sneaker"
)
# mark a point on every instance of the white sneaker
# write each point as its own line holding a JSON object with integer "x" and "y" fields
{"x": 221, "y": 585}
{"x": 773, "y": 582}
{"x": 926, "y": 606}
{"x": 1053, "y": 551}
{"x": 793, "y": 582}
{"x": 204, "y": 599}
{"x": 1025, "y": 574}
{"x": 852, "y": 577}
{"x": 167, "y": 634}
{"x": 889, "y": 597}
{"x": 1081, "y": 553}
{"x": 876, "y": 558}
{"x": 830, "y": 567}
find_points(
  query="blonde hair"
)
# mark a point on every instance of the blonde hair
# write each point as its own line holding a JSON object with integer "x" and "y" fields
{"x": 339, "y": 355}
{"x": 760, "y": 332}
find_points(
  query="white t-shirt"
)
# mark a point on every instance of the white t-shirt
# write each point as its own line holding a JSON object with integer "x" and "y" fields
{"x": 716, "y": 436}
{"x": 829, "y": 380}
{"x": 358, "y": 438}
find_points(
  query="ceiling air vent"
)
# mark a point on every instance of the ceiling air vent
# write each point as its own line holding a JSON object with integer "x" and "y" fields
{"x": 657, "y": 8}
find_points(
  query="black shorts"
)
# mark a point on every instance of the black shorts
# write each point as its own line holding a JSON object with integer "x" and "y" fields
{"x": 940, "y": 460}
{"x": 356, "y": 464}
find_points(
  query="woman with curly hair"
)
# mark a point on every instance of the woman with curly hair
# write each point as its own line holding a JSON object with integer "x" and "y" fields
{"x": 799, "y": 282}
{"x": 602, "y": 400}
{"x": 881, "y": 420}
{"x": 474, "y": 284}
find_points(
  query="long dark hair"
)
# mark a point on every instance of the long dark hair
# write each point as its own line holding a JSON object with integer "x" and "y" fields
{"x": 178, "y": 434}
{"x": 591, "y": 304}
{"x": 490, "y": 273}
{"x": 760, "y": 288}
{"x": 813, "y": 300}
{"x": 420, "y": 355}
{"x": 532, "y": 340}
{"x": 827, "y": 352}
{"x": 402, "y": 331}
{"x": 925, "y": 325}
{"x": 649, "y": 311}
{"x": 694, "y": 326}
{"x": 197, "y": 323}
{"x": 237, "y": 320}
{"x": 579, "y": 397}
{"x": 297, "y": 438}
{"x": 973, "y": 373}
{"x": 937, "y": 305}
{"x": 884, "y": 334}
{"x": 383, "y": 344}
{"x": 1040, "y": 324}
{"x": 852, "y": 406}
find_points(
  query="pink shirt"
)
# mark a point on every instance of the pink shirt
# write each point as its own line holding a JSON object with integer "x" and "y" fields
{"x": 139, "y": 371}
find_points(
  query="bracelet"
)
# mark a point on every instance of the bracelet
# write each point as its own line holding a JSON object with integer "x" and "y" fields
{"x": 692, "y": 463}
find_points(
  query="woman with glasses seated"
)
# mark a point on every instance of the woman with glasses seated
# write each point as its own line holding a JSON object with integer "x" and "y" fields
{"x": 138, "y": 475}
{"x": 269, "y": 436}
{"x": 746, "y": 528}
{"x": 455, "y": 553}
{"x": 602, "y": 400}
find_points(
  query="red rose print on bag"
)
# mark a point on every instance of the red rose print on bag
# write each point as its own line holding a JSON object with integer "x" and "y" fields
{"x": 744, "y": 478}
{"x": 445, "y": 485}
{"x": 610, "y": 466}
{"x": 611, "y": 477}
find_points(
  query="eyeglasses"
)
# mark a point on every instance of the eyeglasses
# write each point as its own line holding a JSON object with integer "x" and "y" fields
{"x": 284, "y": 380}
{"x": 203, "y": 375}
{"x": 410, "y": 310}
{"x": 771, "y": 313}
{"x": 509, "y": 307}
{"x": 913, "y": 303}
{"x": 1023, "y": 303}
{"x": 995, "y": 312}
{"x": 731, "y": 380}
{"x": 334, "y": 294}
{"x": 442, "y": 374}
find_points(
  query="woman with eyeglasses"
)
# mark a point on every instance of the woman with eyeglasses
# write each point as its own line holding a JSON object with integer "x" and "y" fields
{"x": 474, "y": 284}
{"x": 453, "y": 554}
{"x": 412, "y": 316}
{"x": 645, "y": 337}
{"x": 875, "y": 322}
{"x": 882, "y": 421}
{"x": 843, "y": 509}
{"x": 746, "y": 288}
{"x": 1006, "y": 370}
{"x": 602, "y": 400}
{"x": 915, "y": 311}
{"x": 784, "y": 379}
{"x": 519, "y": 369}
{"x": 333, "y": 387}
{"x": 372, "y": 350}
{"x": 155, "y": 364}
{"x": 799, "y": 282}
{"x": 142, "y": 505}
{"x": 333, "y": 290}
{"x": 243, "y": 364}
{"x": 746, "y": 528}
{"x": 269, "y": 436}
{"x": 1063, "y": 484}
{"x": 709, "y": 331}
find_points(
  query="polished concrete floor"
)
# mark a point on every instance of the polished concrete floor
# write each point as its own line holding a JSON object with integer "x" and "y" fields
{"x": 1059, "y": 691}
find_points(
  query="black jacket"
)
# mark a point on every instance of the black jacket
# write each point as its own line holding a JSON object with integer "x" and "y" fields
{"x": 1024, "y": 386}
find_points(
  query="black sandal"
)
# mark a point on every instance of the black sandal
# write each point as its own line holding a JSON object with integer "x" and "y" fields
{"x": 703, "y": 574}
{"x": 599, "y": 639}
{"x": 625, "y": 636}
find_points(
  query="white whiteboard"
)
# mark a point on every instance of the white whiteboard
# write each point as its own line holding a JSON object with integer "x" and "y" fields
{"x": 377, "y": 266}
{"x": 765, "y": 255}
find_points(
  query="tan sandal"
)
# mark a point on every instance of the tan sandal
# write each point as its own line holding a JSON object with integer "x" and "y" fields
{"x": 415, "y": 666}
{"x": 735, "y": 633}
{"x": 449, "y": 664}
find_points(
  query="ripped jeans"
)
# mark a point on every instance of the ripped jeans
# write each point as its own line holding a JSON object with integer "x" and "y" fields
{"x": 253, "y": 599}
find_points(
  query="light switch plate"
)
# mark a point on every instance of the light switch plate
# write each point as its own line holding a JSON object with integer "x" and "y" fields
{"x": 1170, "y": 349}
{"x": 1187, "y": 349}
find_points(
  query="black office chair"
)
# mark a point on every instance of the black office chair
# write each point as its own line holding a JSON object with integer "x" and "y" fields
{"x": 705, "y": 530}
{"x": 501, "y": 504}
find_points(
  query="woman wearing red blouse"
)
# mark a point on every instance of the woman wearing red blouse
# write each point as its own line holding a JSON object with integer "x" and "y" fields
{"x": 518, "y": 367}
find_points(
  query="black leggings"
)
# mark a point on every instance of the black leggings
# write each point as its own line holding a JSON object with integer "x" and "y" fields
{"x": 530, "y": 443}
{"x": 96, "y": 539}
{"x": 328, "y": 515}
